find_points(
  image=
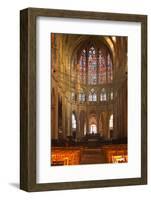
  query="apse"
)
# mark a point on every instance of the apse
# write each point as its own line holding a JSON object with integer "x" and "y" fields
{"x": 89, "y": 99}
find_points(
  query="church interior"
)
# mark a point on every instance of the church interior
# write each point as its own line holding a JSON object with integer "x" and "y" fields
{"x": 88, "y": 99}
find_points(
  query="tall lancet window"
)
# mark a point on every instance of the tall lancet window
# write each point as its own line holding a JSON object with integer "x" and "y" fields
{"x": 92, "y": 66}
{"x": 92, "y": 95}
{"x": 73, "y": 121}
{"x": 109, "y": 69}
{"x": 111, "y": 122}
{"x": 82, "y": 70}
{"x": 102, "y": 66}
{"x": 103, "y": 95}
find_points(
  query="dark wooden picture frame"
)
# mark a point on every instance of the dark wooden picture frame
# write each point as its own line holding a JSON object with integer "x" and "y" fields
{"x": 28, "y": 99}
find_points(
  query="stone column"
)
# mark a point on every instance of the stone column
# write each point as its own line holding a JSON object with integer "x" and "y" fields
{"x": 78, "y": 126}
{"x": 56, "y": 118}
{"x": 98, "y": 124}
{"x": 69, "y": 120}
{"x": 63, "y": 115}
{"x": 87, "y": 123}
{"x": 106, "y": 126}
{"x": 66, "y": 121}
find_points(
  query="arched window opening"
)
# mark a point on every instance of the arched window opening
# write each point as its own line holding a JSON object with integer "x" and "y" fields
{"x": 85, "y": 129}
{"x": 92, "y": 66}
{"x": 74, "y": 125}
{"x": 111, "y": 95}
{"x": 92, "y": 95}
{"x": 60, "y": 120}
{"x": 109, "y": 69}
{"x": 103, "y": 95}
{"x": 102, "y": 66}
{"x": 111, "y": 122}
{"x": 95, "y": 65}
{"x": 93, "y": 129}
{"x": 82, "y": 70}
{"x": 92, "y": 123}
{"x": 81, "y": 97}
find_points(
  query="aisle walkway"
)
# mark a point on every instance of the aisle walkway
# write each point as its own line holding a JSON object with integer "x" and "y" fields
{"x": 93, "y": 156}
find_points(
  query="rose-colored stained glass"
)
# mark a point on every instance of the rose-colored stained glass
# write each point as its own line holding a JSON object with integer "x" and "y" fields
{"x": 95, "y": 66}
{"x": 109, "y": 69}
{"x": 102, "y": 66}
{"x": 92, "y": 66}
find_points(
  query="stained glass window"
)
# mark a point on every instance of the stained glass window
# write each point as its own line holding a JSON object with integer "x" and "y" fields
{"x": 82, "y": 71}
{"x": 103, "y": 95}
{"x": 102, "y": 66}
{"x": 92, "y": 95}
{"x": 81, "y": 97}
{"x": 109, "y": 69}
{"x": 95, "y": 66}
{"x": 92, "y": 66}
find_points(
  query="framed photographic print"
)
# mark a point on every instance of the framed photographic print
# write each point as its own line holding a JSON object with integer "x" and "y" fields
{"x": 83, "y": 99}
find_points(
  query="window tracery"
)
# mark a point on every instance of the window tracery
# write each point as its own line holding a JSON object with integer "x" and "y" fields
{"x": 92, "y": 95}
{"x": 95, "y": 66}
{"x": 92, "y": 66}
{"x": 81, "y": 97}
